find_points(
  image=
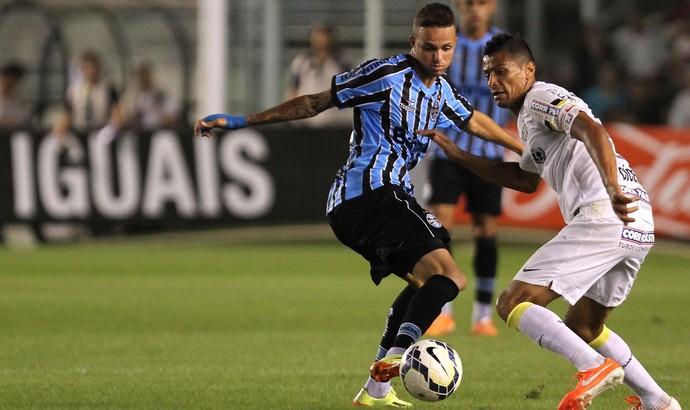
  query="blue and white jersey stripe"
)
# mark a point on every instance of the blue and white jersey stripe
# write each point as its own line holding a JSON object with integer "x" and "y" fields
{"x": 390, "y": 103}
{"x": 467, "y": 75}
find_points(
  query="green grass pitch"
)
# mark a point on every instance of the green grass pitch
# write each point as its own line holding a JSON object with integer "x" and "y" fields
{"x": 158, "y": 324}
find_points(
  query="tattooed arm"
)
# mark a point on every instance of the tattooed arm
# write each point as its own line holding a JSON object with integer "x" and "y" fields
{"x": 304, "y": 106}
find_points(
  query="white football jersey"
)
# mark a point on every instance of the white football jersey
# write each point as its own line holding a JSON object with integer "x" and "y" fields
{"x": 562, "y": 161}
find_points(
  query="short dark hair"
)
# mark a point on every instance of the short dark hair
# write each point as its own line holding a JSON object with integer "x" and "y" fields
{"x": 515, "y": 46}
{"x": 91, "y": 56}
{"x": 14, "y": 70}
{"x": 434, "y": 15}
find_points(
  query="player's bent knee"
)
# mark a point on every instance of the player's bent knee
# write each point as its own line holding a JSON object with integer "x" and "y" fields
{"x": 507, "y": 302}
{"x": 513, "y": 319}
{"x": 444, "y": 285}
{"x": 459, "y": 279}
{"x": 504, "y": 305}
{"x": 439, "y": 262}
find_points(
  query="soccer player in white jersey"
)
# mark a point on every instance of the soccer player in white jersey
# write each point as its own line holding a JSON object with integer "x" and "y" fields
{"x": 592, "y": 263}
{"x": 371, "y": 207}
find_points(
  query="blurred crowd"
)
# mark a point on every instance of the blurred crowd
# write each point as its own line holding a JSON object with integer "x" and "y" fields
{"x": 91, "y": 102}
{"x": 638, "y": 71}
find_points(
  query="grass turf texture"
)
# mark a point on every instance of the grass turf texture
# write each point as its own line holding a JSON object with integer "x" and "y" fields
{"x": 150, "y": 324}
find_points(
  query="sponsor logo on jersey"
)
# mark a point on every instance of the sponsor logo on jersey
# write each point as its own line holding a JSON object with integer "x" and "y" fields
{"x": 408, "y": 105}
{"x": 523, "y": 132}
{"x": 432, "y": 220}
{"x": 538, "y": 155}
{"x": 627, "y": 174}
{"x": 570, "y": 117}
{"x": 544, "y": 108}
{"x": 639, "y": 192}
{"x": 560, "y": 94}
{"x": 636, "y": 236}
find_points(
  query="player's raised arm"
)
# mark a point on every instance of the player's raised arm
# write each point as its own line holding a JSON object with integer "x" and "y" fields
{"x": 304, "y": 106}
{"x": 596, "y": 140}
{"x": 507, "y": 174}
{"x": 484, "y": 127}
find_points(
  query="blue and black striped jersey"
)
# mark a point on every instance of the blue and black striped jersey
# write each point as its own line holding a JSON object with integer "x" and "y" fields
{"x": 390, "y": 103}
{"x": 467, "y": 75}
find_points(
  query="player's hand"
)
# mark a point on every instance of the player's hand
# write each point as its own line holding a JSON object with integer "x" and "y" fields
{"x": 442, "y": 140}
{"x": 205, "y": 126}
{"x": 620, "y": 203}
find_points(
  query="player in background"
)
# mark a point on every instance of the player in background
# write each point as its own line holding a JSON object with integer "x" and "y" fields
{"x": 371, "y": 207}
{"x": 592, "y": 263}
{"x": 91, "y": 104}
{"x": 311, "y": 71}
{"x": 14, "y": 112}
{"x": 447, "y": 180}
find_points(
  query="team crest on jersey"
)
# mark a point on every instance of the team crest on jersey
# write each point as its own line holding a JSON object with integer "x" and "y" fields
{"x": 432, "y": 220}
{"x": 435, "y": 106}
{"x": 538, "y": 155}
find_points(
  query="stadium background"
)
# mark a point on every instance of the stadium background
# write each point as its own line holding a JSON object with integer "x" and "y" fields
{"x": 201, "y": 275}
{"x": 250, "y": 177}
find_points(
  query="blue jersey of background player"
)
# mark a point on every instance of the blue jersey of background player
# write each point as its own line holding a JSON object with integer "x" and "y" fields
{"x": 465, "y": 73}
{"x": 447, "y": 180}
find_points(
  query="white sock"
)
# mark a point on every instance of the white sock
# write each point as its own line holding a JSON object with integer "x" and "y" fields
{"x": 636, "y": 376}
{"x": 482, "y": 311}
{"x": 396, "y": 350}
{"x": 549, "y": 331}
{"x": 447, "y": 309}
{"x": 377, "y": 390}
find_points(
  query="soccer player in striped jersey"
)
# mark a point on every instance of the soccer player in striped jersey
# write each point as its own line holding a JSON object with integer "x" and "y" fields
{"x": 448, "y": 180}
{"x": 593, "y": 262}
{"x": 371, "y": 207}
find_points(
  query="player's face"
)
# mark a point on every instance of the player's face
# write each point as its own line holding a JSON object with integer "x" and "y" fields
{"x": 433, "y": 48}
{"x": 90, "y": 70}
{"x": 475, "y": 15}
{"x": 509, "y": 80}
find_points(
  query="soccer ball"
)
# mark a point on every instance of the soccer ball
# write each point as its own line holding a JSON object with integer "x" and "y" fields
{"x": 431, "y": 370}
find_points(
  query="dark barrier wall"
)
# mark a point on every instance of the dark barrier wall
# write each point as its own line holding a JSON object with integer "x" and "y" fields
{"x": 169, "y": 178}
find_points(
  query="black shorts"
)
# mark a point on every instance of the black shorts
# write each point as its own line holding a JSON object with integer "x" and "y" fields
{"x": 448, "y": 180}
{"x": 389, "y": 229}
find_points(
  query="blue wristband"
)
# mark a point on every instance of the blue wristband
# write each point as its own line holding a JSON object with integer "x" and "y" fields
{"x": 232, "y": 122}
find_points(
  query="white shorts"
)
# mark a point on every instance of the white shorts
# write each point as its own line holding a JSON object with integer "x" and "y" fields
{"x": 594, "y": 256}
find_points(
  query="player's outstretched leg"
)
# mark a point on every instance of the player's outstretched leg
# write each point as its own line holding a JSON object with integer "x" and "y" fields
{"x": 651, "y": 395}
{"x": 597, "y": 373}
{"x": 380, "y": 393}
{"x": 423, "y": 308}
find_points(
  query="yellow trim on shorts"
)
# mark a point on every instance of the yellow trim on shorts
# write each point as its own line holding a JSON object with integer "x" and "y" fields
{"x": 515, "y": 314}
{"x": 601, "y": 339}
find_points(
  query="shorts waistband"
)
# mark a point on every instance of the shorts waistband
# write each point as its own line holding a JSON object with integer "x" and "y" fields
{"x": 603, "y": 204}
